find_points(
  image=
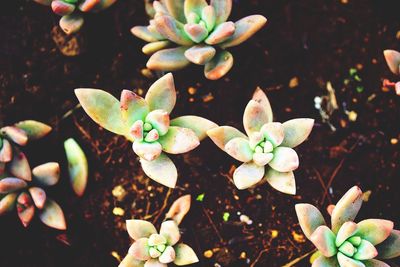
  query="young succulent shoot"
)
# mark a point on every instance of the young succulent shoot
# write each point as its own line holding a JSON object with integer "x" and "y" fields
{"x": 71, "y": 11}
{"x": 192, "y": 31}
{"x": 146, "y": 123}
{"x": 346, "y": 243}
{"x": 392, "y": 58}
{"x": 159, "y": 249}
{"x": 77, "y": 166}
{"x": 267, "y": 149}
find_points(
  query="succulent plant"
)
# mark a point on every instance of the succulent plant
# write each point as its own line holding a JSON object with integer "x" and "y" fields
{"x": 198, "y": 33}
{"x": 152, "y": 249}
{"x": 267, "y": 149}
{"x": 22, "y": 187}
{"x": 77, "y": 166}
{"x": 393, "y": 61}
{"x": 146, "y": 122}
{"x": 349, "y": 244}
{"x": 71, "y": 11}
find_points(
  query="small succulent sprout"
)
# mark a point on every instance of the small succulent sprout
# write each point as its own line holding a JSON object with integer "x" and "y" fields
{"x": 181, "y": 32}
{"x": 146, "y": 123}
{"x": 77, "y": 166}
{"x": 347, "y": 243}
{"x": 267, "y": 149}
{"x": 25, "y": 191}
{"x": 392, "y": 58}
{"x": 71, "y": 11}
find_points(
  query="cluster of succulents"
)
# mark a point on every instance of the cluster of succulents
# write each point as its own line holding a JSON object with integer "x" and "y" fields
{"x": 393, "y": 61}
{"x": 71, "y": 11}
{"x": 349, "y": 244}
{"x": 21, "y": 187}
{"x": 198, "y": 33}
{"x": 146, "y": 123}
{"x": 267, "y": 149}
{"x": 152, "y": 249}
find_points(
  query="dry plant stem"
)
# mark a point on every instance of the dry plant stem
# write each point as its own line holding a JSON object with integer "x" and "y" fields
{"x": 322, "y": 184}
{"x": 213, "y": 225}
{"x": 298, "y": 259}
{"x": 161, "y": 210}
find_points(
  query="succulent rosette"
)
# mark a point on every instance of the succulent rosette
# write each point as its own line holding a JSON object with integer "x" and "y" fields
{"x": 22, "y": 187}
{"x": 349, "y": 244}
{"x": 392, "y": 58}
{"x": 146, "y": 123}
{"x": 71, "y": 11}
{"x": 152, "y": 249}
{"x": 267, "y": 149}
{"x": 192, "y": 31}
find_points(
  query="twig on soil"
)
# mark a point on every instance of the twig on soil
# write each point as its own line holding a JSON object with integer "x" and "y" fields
{"x": 322, "y": 184}
{"x": 259, "y": 256}
{"x": 298, "y": 259}
{"x": 213, "y": 225}
{"x": 69, "y": 112}
{"x": 161, "y": 210}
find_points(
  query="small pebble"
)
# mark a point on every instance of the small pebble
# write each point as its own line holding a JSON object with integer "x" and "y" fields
{"x": 243, "y": 255}
{"x": 116, "y": 255}
{"x": 294, "y": 82}
{"x": 208, "y": 254}
{"x": 352, "y": 115}
{"x": 245, "y": 219}
{"x": 119, "y": 192}
{"x": 394, "y": 141}
{"x": 274, "y": 233}
{"x": 192, "y": 90}
{"x": 118, "y": 211}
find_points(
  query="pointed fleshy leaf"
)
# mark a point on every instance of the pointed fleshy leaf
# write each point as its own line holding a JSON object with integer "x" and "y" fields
{"x": 162, "y": 170}
{"x": 375, "y": 263}
{"x": 347, "y": 249}
{"x": 179, "y": 209}
{"x": 195, "y": 6}
{"x": 310, "y": 218}
{"x": 260, "y": 97}
{"x": 136, "y": 131}
{"x": 154, "y": 263}
{"x": 375, "y": 230}
{"x": 169, "y": 229}
{"x": 133, "y": 107}
{"x": 7, "y": 203}
{"x": 15, "y": 134}
{"x": 139, "y": 249}
{"x": 62, "y": 8}
{"x": 159, "y": 8}
{"x": 143, "y": 33}
{"x": 282, "y": 181}
{"x": 159, "y": 119}
{"x": 365, "y": 251}
{"x": 196, "y": 32}
{"x": 168, "y": 255}
{"x": 52, "y": 215}
{"x": 172, "y": 29}
{"x": 19, "y": 166}
{"x": 152, "y": 136}
{"x": 179, "y": 140}
{"x": 103, "y": 4}
{"x": 71, "y": 23}
{"x": 156, "y": 239}
{"x": 78, "y": 169}
{"x": 168, "y": 59}
{"x": 220, "y": 65}
{"x": 222, "y": 8}
{"x": 323, "y": 261}
{"x": 140, "y": 229}
{"x": 209, "y": 17}
{"x": 285, "y": 159}
{"x": 390, "y": 248}
{"x": 324, "y": 239}
{"x": 347, "y": 208}
{"x": 345, "y": 261}
{"x": 25, "y": 208}
{"x": 34, "y": 129}
{"x": 5, "y": 151}
{"x": 103, "y": 108}
{"x": 239, "y": 149}
{"x": 221, "y": 33}
{"x": 223, "y": 134}
{"x": 254, "y": 117}
{"x": 274, "y": 132}
{"x": 147, "y": 151}
{"x": 248, "y": 175}
{"x": 130, "y": 261}
{"x": 297, "y": 131}
{"x": 200, "y": 54}
{"x": 9, "y": 185}
{"x": 47, "y": 174}
{"x": 162, "y": 94}
{"x": 393, "y": 60}
{"x": 255, "y": 138}
{"x": 262, "y": 159}
{"x": 175, "y": 8}
{"x": 38, "y": 196}
{"x": 197, "y": 124}
{"x": 245, "y": 28}
{"x": 153, "y": 47}
{"x": 184, "y": 255}
{"x": 347, "y": 230}
{"x": 88, "y": 5}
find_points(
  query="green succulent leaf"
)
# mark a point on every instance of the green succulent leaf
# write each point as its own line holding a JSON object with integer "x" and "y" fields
{"x": 285, "y": 160}
{"x": 52, "y": 215}
{"x": 169, "y": 229}
{"x": 6, "y": 153}
{"x": 310, "y": 218}
{"x": 254, "y": 117}
{"x": 393, "y": 60}
{"x": 77, "y": 166}
{"x": 175, "y": 8}
{"x": 133, "y": 107}
{"x": 347, "y": 230}
{"x": 323, "y": 261}
{"x": 15, "y": 134}
{"x": 223, "y": 134}
{"x": 365, "y": 251}
{"x": 375, "y": 230}
{"x": 7, "y": 203}
{"x": 209, "y": 17}
{"x": 282, "y": 181}
{"x": 390, "y": 248}
{"x": 260, "y": 97}
{"x": 296, "y": 131}
{"x": 130, "y": 261}
{"x": 47, "y": 174}
{"x": 220, "y": 65}
{"x": 71, "y": 23}
{"x": 345, "y": 261}
{"x": 103, "y": 108}
{"x": 140, "y": 229}
{"x": 222, "y": 8}
{"x": 195, "y": 6}
{"x": 221, "y": 33}
{"x": 162, "y": 170}
{"x": 196, "y": 32}
{"x": 172, "y": 29}
{"x": 19, "y": 166}
{"x": 153, "y": 47}
{"x": 162, "y": 94}
{"x": 143, "y": 33}
{"x": 139, "y": 249}
{"x": 34, "y": 129}
{"x": 170, "y": 59}
{"x": 375, "y": 263}
{"x": 179, "y": 140}
{"x": 247, "y": 175}
{"x": 200, "y": 54}
{"x": 39, "y": 196}
{"x": 324, "y": 239}
{"x": 197, "y": 124}
{"x": 239, "y": 149}
{"x": 184, "y": 255}
{"x": 25, "y": 209}
{"x": 11, "y": 184}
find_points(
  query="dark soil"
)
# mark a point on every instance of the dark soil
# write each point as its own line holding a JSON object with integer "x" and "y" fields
{"x": 313, "y": 41}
